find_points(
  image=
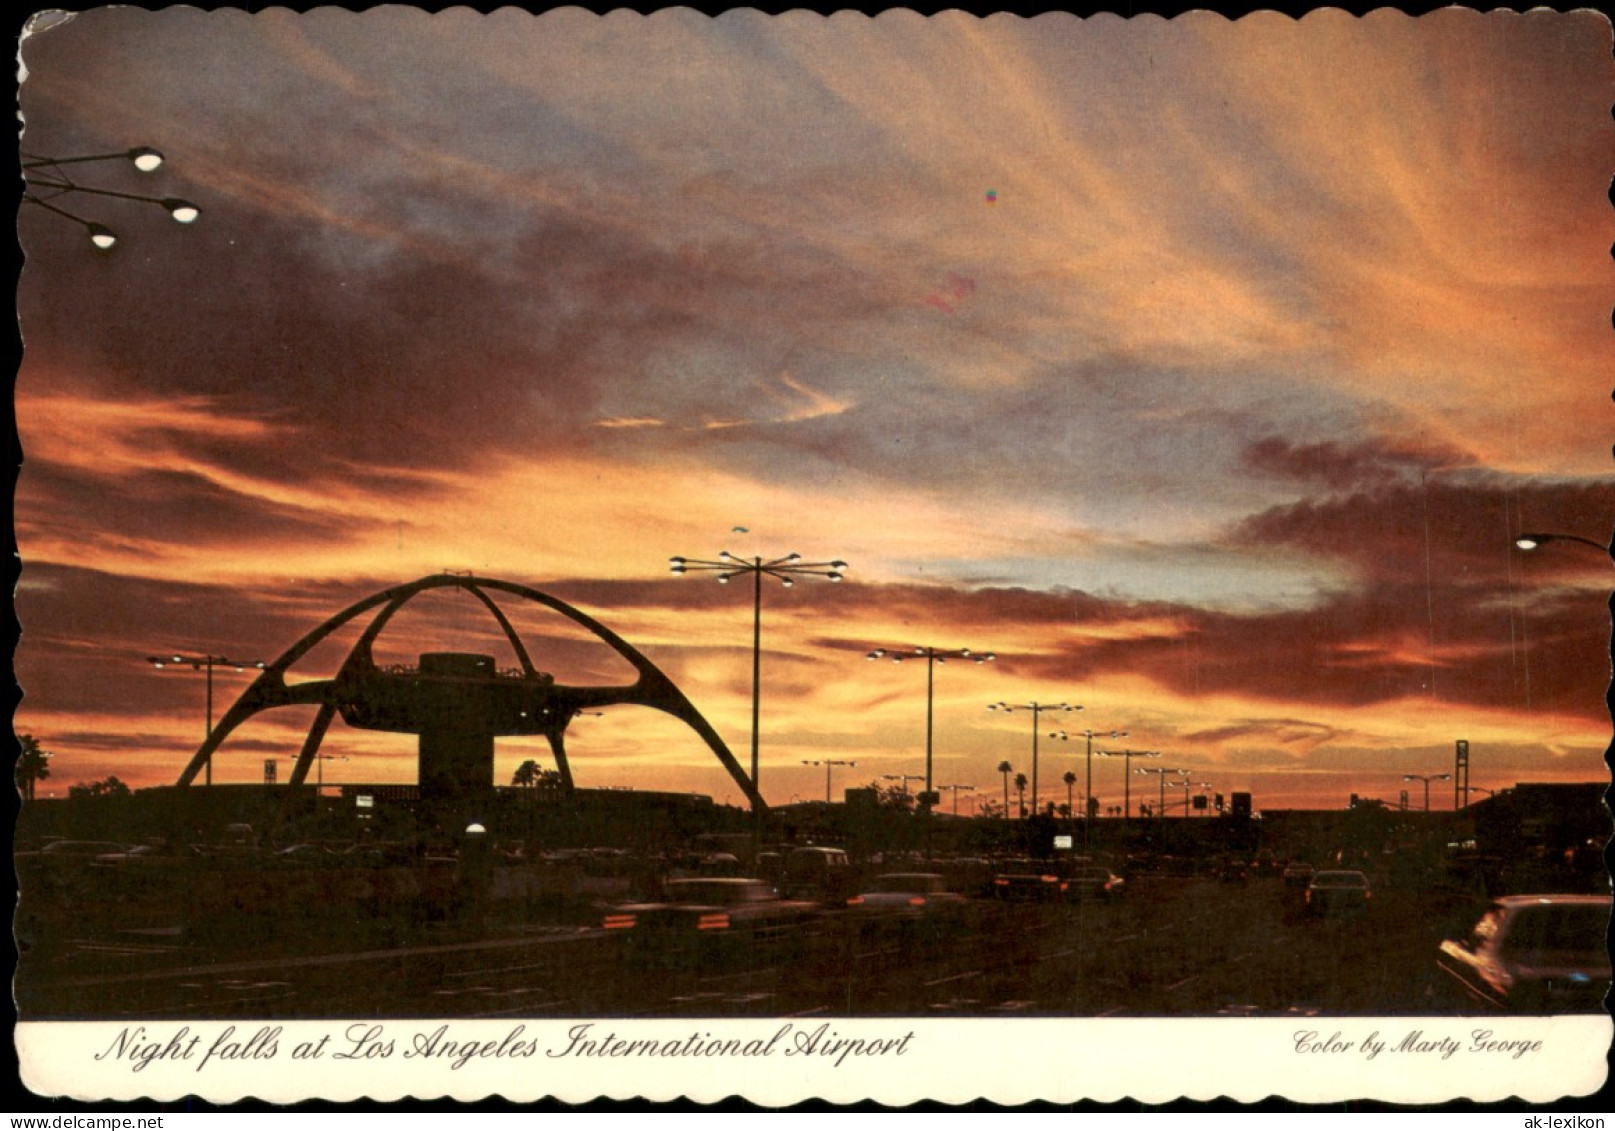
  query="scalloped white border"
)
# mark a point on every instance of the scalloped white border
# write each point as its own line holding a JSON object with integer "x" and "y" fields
{"x": 1008, "y": 1061}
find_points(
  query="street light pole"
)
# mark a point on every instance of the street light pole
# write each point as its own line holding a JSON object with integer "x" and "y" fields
{"x": 205, "y": 663}
{"x": 786, "y": 569}
{"x": 49, "y": 175}
{"x": 902, "y": 779}
{"x": 827, "y": 763}
{"x": 1187, "y": 786}
{"x": 956, "y": 789}
{"x": 933, "y": 657}
{"x": 1529, "y": 542}
{"x": 1037, "y": 709}
{"x": 1160, "y": 808}
{"x": 1087, "y": 797}
{"x": 1426, "y": 779}
{"x": 319, "y": 769}
{"x": 1127, "y": 774}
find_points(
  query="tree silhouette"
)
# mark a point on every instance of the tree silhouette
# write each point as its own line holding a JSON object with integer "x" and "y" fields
{"x": 1070, "y": 779}
{"x": 893, "y": 797}
{"x": 106, "y": 787}
{"x": 1020, "y": 788}
{"x": 535, "y": 781}
{"x": 33, "y": 765}
{"x": 1006, "y": 769}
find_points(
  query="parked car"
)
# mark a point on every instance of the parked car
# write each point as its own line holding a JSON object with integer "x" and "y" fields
{"x": 703, "y": 918}
{"x": 1338, "y": 893}
{"x": 1541, "y": 954}
{"x": 907, "y": 895}
{"x": 820, "y": 873}
{"x": 82, "y": 850}
{"x": 1297, "y": 874}
{"x": 1233, "y": 871}
{"x": 303, "y": 856}
{"x": 1093, "y": 881}
{"x": 146, "y": 856}
{"x": 1027, "y": 880}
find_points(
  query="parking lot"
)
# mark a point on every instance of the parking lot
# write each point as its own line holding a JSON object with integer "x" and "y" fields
{"x": 1173, "y": 945}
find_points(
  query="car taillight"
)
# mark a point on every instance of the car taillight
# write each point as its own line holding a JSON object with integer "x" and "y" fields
{"x": 916, "y": 901}
{"x": 1309, "y": 896}
{"x": 1000, "y": 883}
{"x": 717, "y": 921}
{"x": 855, "y": 901}
{"x": 1050, "y": 879}
{"x": 617, "y": 922}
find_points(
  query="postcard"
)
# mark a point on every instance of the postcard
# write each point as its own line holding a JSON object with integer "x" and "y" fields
{"x": 880, "y": 558}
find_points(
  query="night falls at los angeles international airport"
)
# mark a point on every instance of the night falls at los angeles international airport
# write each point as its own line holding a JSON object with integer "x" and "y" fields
{"x": 503, "y": 466}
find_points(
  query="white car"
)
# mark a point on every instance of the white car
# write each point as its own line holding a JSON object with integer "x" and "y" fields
{"x": 1538, "y": 954}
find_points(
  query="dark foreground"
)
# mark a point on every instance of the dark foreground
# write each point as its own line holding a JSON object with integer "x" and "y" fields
{"x": 1171, "y": 946}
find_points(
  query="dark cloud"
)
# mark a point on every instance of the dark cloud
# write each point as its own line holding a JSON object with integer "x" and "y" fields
{"x": 420, "y": 367}
{"x": 88, "y": 633}
{"x": 1445, "y": 528}
{"x": 1342, "y": 466}
{"x": 1266, "y": 732}
{"x": 371, "y": 363}
{"x": 169, "y": 506}
{"x": 1465, "y": 641}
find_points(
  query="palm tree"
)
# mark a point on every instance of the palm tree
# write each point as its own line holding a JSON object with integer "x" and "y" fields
{"x": 33, "y": 764}
{"x": 1020, "y": 788}
{"x": 1006, "y": 769}
{"x": 1070, "y": 779}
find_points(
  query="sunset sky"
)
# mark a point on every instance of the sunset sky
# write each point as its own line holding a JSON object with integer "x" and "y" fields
{"x": 1203, "y": 371}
